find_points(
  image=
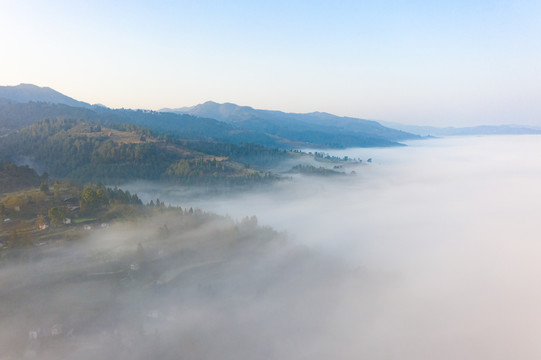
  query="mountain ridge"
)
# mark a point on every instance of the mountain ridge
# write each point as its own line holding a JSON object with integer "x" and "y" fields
{"x": 24, "y": 104}
{"x": 291, "y": 125}
{"x": 23, "y": 93}
{"x": 505, "y": 129}
{"x": 268, "y": 127}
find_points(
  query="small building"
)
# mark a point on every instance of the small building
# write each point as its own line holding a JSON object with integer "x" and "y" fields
{"x": 43, "y": 226}
{"x": 7, "y": 220}
{"x": 87, "y": 227}
{"x": 67, "y": 221}
{"x": 56, "y": 330}
{"x": 34, "y": 334}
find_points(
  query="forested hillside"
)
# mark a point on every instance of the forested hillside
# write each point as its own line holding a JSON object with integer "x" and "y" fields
{"x": 14, "y": 178}
{"x": 87, "y": 151}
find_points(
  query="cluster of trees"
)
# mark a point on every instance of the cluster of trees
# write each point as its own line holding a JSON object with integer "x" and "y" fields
{"x": 93, "y": 197}
{"x": 98, "y": 196}
{"x": 312, "y": 170}
{"x": 208, "y": 172}
{"x": 252, "y": 154}
{"x": 198, "y": 168}
{"x": 117, "y": 195}
{"x": 322, "y": 155}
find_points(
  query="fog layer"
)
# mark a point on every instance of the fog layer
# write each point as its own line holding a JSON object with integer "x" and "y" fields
{"x": 455, "y": 224}
{"x": 430, "y": 252}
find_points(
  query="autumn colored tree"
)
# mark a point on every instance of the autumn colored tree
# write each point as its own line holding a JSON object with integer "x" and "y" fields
{"x": 57, "y": 215}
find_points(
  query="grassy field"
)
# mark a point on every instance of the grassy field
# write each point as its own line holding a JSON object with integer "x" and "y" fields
{"x": 83, "y": 220}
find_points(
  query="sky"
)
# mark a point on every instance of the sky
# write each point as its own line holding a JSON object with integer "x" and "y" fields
{"x": 415, "y": 62}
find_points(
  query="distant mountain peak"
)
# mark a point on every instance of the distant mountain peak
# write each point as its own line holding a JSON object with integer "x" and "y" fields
{"x": 25, "y": 85}
{"x": 23, "y": 93}
{"x": 223, "y": 106}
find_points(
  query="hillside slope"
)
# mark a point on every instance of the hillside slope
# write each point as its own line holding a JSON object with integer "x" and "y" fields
{"x": 85, "y": 151}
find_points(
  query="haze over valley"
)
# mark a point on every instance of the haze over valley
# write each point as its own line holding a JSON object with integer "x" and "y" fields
{"x": 423, "y": 242}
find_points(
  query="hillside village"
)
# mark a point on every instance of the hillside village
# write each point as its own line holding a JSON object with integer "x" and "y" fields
{"x": 62, "y": 210}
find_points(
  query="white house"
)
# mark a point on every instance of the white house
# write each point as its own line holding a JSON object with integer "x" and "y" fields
{"x": 34, "y": 334}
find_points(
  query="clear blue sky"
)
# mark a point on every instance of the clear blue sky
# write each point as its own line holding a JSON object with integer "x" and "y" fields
{"x": 418, "y": 62}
